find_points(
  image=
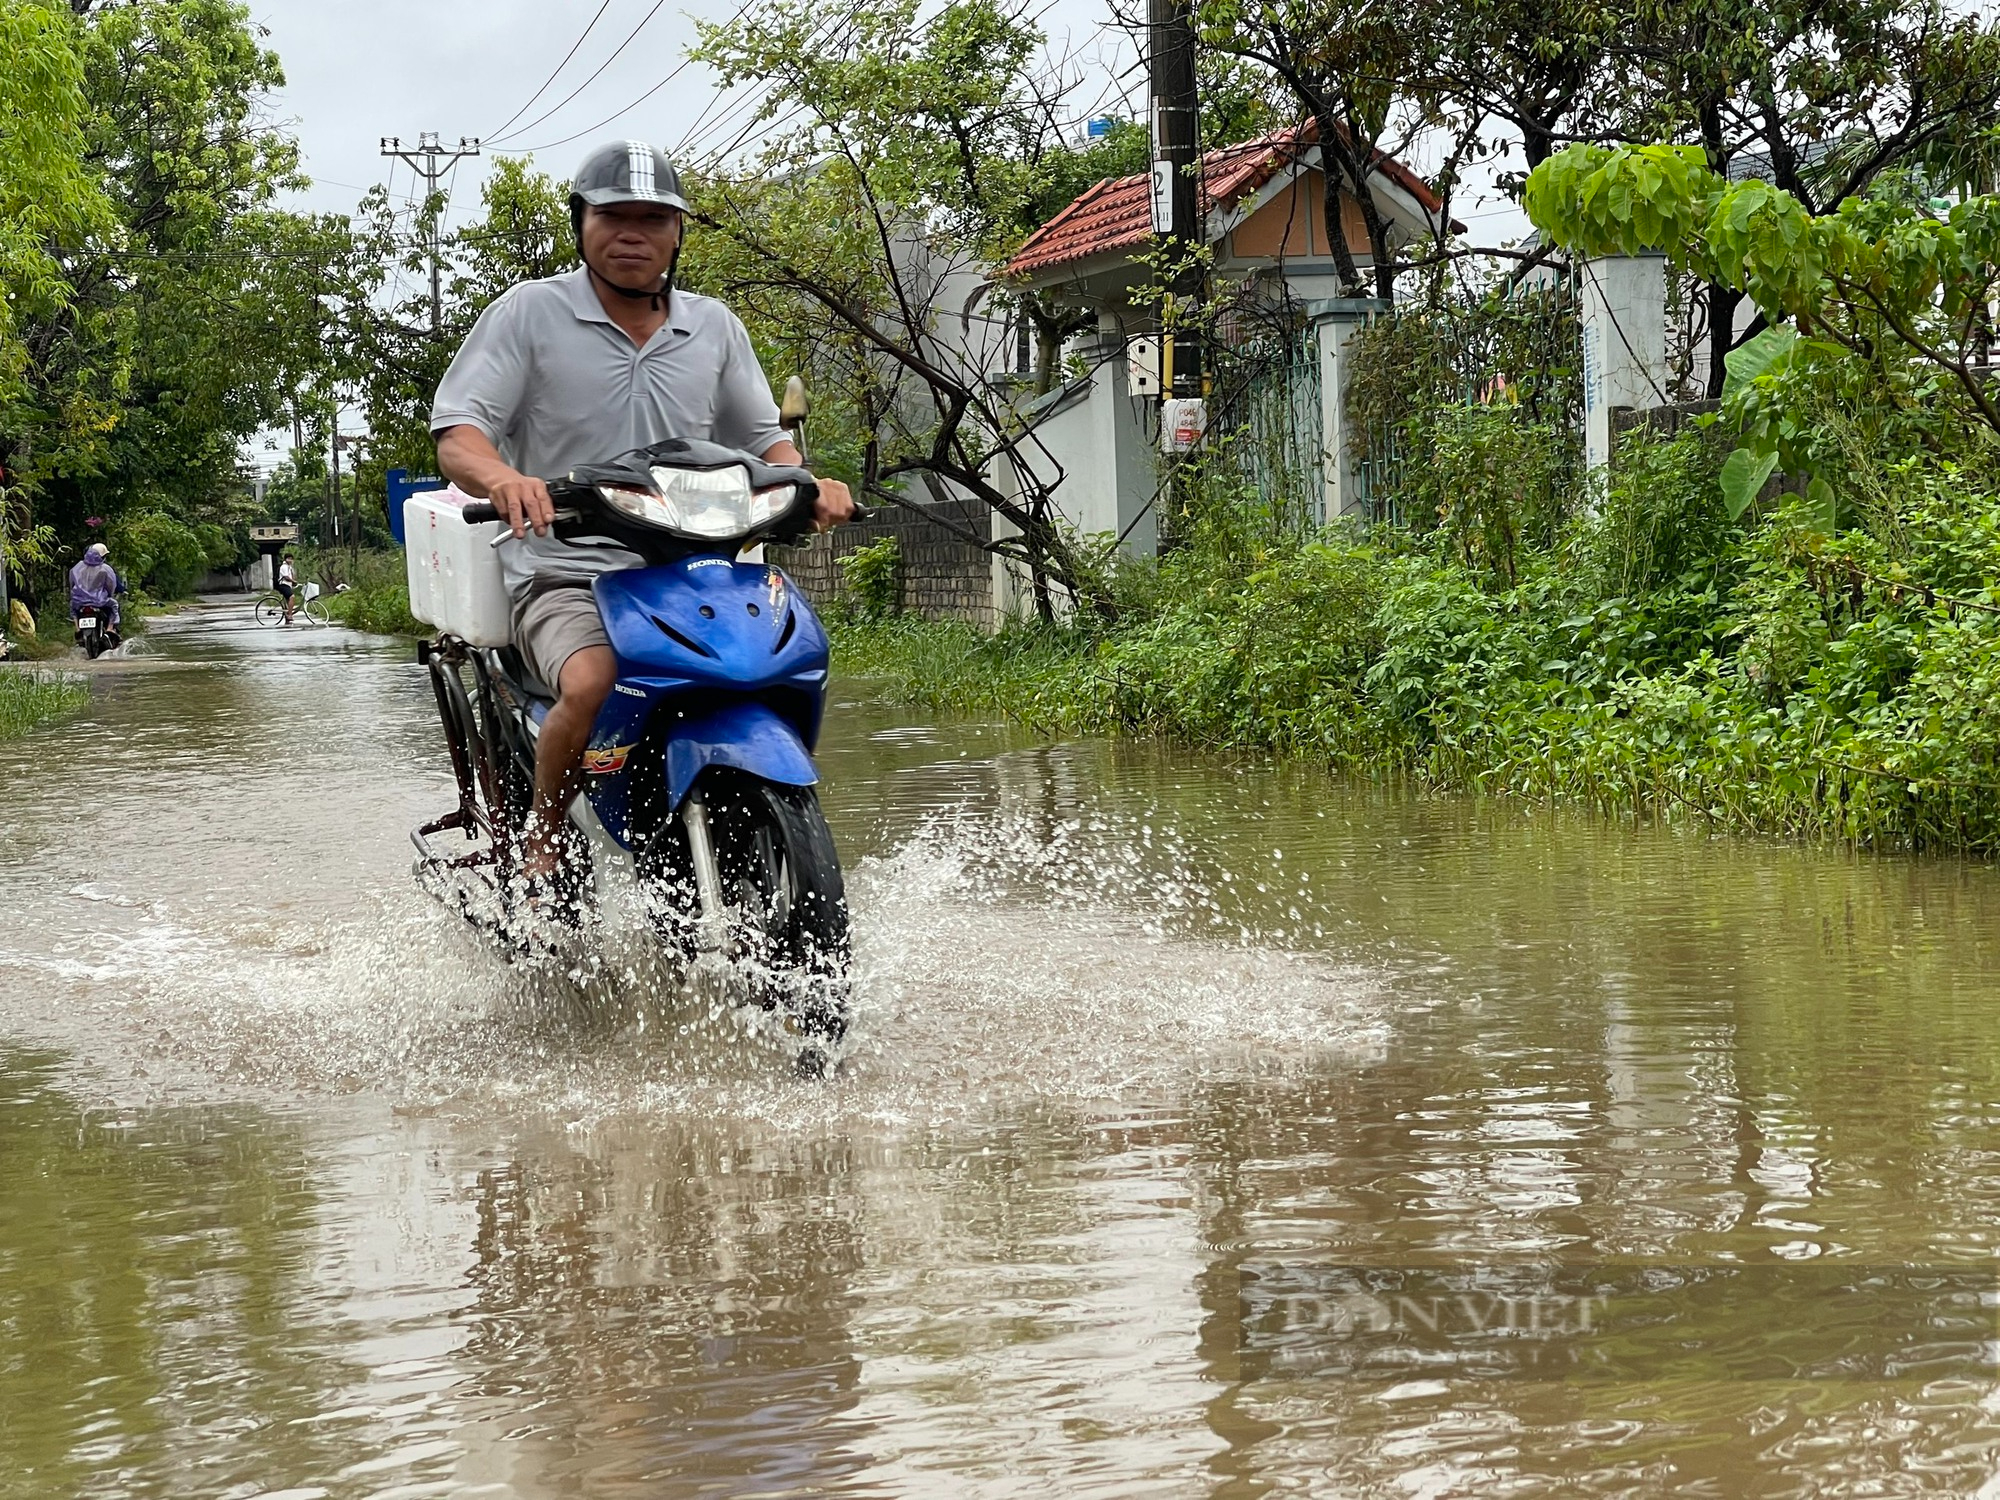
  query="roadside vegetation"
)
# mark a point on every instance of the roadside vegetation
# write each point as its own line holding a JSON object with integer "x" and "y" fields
{"x": 1818, "y": 656}
{"x": 1659, "y": 659}
{"x": 31, "y": 699}
{"x": 377, "y": 598}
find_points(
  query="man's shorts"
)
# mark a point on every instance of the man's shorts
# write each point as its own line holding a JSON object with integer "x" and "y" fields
{"x": 285, "y": 589}
{"x": 555, "y": 625}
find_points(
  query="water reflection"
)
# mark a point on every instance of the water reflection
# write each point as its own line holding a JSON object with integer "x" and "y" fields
{"x": 1172, "y": 1073}
{"x": 666, "y": 1310}
{"x": 156, "y": 1293}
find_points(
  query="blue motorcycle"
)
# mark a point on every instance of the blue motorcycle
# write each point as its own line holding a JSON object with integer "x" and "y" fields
{"x": 700, "y": 762}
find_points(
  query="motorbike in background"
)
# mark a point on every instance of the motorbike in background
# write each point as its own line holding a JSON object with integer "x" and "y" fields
{"x": 700, "y": 762}
{"x": 96, "y": 632}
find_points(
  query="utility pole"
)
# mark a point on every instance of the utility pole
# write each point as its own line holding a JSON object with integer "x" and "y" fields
{"x": 1176, "y": 187}
{"x": 341, "y": 442}
{"x": 333, "y": 508}
{"x": 431, "y": 161}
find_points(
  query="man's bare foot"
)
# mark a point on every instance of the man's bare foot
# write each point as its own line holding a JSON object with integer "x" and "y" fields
{"x": 541, "y": 853}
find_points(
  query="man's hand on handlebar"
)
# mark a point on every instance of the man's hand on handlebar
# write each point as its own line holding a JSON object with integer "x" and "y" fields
{"x": 834, "y": 507}
{"x": 523, "y": 502}
{"x": 467, "y": 457}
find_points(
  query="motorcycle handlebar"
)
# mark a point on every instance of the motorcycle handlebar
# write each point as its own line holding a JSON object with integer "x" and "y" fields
{"x": 476, "y": 511}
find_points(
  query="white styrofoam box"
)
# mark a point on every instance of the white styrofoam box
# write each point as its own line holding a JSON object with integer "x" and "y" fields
{"x": 454, "y": 571}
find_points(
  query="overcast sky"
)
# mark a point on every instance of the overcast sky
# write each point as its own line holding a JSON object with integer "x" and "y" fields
{"x": 358, "y": 70}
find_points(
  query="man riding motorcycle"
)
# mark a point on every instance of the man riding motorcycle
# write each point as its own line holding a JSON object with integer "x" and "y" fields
{"x": 569, "y": 370}
{"x": 94, "y": 585}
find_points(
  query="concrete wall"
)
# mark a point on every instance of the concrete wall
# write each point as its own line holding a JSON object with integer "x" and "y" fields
{"x": 943, "y": 576}
{"x": 1100, "y": 438}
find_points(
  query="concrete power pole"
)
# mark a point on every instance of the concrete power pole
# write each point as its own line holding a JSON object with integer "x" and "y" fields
{"x": 1176, "y": 188}
{"x": 431, "y": 161}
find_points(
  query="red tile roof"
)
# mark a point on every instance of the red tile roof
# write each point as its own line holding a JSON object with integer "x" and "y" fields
{"x": 1117, "y": 213}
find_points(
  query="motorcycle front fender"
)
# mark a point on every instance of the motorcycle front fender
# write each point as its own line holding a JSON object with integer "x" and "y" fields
{"x": 747, "y": 736}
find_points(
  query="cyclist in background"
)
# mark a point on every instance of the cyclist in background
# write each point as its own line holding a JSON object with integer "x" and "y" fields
{"x": 288, "y": 579}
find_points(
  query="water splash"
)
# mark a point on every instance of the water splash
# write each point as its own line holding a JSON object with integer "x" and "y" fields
{"x": 994, "y": 954}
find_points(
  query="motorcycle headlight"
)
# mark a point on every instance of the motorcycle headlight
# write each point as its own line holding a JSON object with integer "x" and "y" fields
{"x": 716, "y": 503}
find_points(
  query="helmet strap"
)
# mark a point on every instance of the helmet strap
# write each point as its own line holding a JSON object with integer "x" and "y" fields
{"x": 655, "y": 295}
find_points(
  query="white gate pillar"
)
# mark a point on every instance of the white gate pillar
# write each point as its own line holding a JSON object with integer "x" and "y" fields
{"x": 1335, "y": 322}
{"x": 1624, "y": 345}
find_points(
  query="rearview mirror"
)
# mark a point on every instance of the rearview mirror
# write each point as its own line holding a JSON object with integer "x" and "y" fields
{"x": 793, "y": 409}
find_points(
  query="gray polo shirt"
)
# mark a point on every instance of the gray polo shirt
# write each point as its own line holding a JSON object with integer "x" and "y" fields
{"x": 554, "y": 383}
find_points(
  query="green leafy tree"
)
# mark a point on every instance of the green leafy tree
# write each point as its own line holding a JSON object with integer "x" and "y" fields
{"x": 1879, "y": 308}
{"x": 174, "y": 324}
{"x": 1367, "y": 78}
{"x": 393, "y": 356}
{"x": 907, "y": 154}
{"x": 1821, "y": 98}
{"x": 48, "y": 199}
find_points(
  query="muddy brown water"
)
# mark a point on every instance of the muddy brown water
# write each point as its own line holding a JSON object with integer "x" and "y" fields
{"x": 1210, "y": 1128}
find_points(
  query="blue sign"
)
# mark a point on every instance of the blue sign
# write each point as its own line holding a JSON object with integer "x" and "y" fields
{"x": 1100, "y": 127}
{"x": 402, "y": 485}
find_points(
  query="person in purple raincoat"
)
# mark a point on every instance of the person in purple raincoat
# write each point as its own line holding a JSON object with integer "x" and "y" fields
{"x": 93, "y": 584}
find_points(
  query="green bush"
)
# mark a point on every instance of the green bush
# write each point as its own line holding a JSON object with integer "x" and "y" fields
{"x": 873, "y": 579}
{"x": 1656, "y": 659}
{"x": 1496, "y": 482}
{"x": 377, "y": 598}
{"x": 1662, "y": 520}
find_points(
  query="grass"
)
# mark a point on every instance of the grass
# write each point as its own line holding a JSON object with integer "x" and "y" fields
{"x": 31, "y": 700}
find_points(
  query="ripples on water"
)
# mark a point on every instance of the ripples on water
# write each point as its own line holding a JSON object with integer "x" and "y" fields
{"x": 1171, "y": 1078}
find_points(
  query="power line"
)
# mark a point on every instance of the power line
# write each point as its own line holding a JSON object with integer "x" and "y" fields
{"x": 495, "y": 134}
{"x": 751, "y": 100}
{"x": 672, "y": 73}
{"x": 687, "y": 136}
{"x": 557, "y": 108}
{"x": 588, "y": 129}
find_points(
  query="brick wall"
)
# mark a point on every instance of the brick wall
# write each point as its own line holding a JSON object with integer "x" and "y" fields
{"x": 943, "y": 576}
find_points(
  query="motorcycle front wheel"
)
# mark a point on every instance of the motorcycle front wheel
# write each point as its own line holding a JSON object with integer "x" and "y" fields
{"x": 787, "y": 904}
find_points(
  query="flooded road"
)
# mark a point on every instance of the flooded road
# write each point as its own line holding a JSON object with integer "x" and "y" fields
{"x": 1211, "y": 1128}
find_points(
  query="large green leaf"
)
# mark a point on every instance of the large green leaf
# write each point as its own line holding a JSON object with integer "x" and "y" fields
{"x": 1743, "y": 474}
{"x": 1767, "y": 352}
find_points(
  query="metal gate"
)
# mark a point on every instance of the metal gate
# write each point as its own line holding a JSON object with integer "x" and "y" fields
{"x": 1272, "y": 407}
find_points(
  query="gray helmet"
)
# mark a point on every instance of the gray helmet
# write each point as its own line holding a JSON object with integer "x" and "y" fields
{"x": 625, "y": 172}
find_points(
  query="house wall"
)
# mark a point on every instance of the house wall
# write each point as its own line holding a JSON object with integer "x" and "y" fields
{"x": 1292, "y": 225}
{"x": 1102, "y": 438}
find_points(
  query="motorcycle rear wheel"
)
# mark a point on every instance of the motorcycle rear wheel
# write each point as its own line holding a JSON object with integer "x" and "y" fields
{"x": 781, "y": 877}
